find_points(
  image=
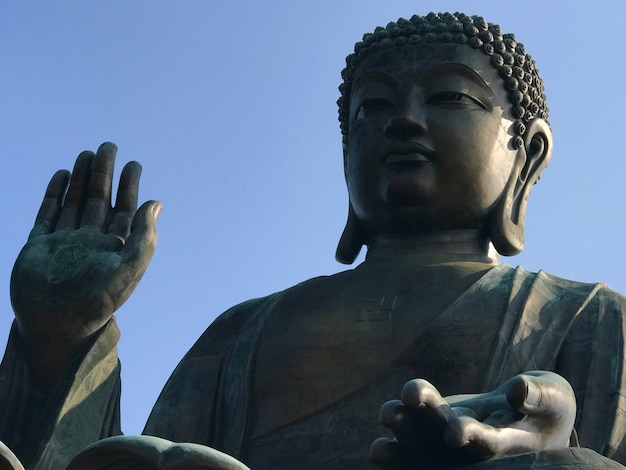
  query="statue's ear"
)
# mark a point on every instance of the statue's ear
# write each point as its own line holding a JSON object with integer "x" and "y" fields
{"x": 508, "y": 217}
{"x": 351, "y": 240}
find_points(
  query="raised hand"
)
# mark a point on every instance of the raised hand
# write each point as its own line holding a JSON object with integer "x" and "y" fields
{"x": 531, "y": 412}
{"x": 82, "y": 260}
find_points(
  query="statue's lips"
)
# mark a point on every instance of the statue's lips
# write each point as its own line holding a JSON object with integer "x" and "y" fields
{"x": 406, "y": 154}
{"x": 407, "y": 158}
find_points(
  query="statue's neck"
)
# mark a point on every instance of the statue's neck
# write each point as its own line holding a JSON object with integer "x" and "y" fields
{"x": 446, "y": 246}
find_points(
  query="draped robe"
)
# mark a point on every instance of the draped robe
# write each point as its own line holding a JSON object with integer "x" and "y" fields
{"x": 215, "y": 396}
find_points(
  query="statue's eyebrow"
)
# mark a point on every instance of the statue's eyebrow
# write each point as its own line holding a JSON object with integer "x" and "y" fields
{"x": 458, "y": 70}
{"x": 375, "y": 77}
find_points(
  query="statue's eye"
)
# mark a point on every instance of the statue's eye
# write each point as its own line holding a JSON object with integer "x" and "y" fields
{"x": 372, "y": 106}
{"x": 454, "y": 100}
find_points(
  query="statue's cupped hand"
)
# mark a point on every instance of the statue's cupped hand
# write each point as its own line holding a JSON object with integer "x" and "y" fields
{"x": 531, "y": 412}
{"x": 83, "y": 259}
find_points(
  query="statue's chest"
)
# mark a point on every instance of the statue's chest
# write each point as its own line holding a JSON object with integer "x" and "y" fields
{"x": 331, "y": 341}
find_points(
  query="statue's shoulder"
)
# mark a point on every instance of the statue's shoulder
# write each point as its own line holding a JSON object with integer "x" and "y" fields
{"x": 567, "y": 290}
{"x": 227, "y": 327}
{"x": 249, "y": 315}
{"x": 587, "y": 288}
{"x": 325, "y": 283}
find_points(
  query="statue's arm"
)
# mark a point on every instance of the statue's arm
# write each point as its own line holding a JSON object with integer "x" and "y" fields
{"x": 83, "y": 259}
{"x": 46, "y": 428}
{"x": 59, "y": 379}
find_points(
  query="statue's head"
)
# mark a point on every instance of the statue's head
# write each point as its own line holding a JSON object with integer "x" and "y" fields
{"x": 444, "y": 125}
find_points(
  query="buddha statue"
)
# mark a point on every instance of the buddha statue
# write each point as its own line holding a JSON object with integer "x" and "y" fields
{"x": 445, "y": 131}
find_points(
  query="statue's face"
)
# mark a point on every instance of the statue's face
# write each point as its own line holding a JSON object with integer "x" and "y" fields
{"x": 429, "y": 139}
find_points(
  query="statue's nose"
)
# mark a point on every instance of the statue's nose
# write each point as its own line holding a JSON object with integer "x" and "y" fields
{"x": 407, "y": 121}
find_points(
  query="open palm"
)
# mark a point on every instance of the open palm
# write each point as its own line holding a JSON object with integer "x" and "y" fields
{"x": 83, "y": 257}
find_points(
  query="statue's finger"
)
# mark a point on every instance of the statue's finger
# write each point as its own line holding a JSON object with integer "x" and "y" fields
{"x": 98, "y": 203}
{"x": 75, "y": 197}
{"x": 422, "y": 398}
{"x": 464, "y": 411}
{"x": 393, "y": 414}
{"x": 126, "y": 201}
{"x": 548, "y": 402}
{"x": 484, "y": 441}
{"x": 411, "y": 434}
{"x": 388, "y": 455}
{"x": 482, "y": 405}
{"x": 503, "y": 417}
{"x": 478, "y": 439}
{"x": 542, "y": 394}
{"x": 50, "y": 208}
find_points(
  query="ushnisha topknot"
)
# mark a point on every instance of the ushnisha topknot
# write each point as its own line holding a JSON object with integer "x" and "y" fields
{"x": 516, "y": 68}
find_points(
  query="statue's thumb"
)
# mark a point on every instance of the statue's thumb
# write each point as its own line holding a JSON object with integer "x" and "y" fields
{"x": 548, "y": 395}
{"x": 143, "y": 233}
{"x": 523, "y": 394}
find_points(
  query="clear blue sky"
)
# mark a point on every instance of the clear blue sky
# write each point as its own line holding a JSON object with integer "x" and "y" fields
{"x": 230, "y": 107}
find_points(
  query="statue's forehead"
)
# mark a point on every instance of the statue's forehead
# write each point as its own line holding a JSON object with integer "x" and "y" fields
{"x": 421, "y": 58}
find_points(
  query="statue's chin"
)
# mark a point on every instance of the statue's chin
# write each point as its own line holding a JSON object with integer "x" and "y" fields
{"x": 407, "y": 186}
{"x": 405, "y": 193}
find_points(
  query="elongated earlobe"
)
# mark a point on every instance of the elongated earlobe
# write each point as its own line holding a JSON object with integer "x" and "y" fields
{"x": 506, "y": 234}
{"x": 506, "y": 226}
{"x": 351, "y": 240}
